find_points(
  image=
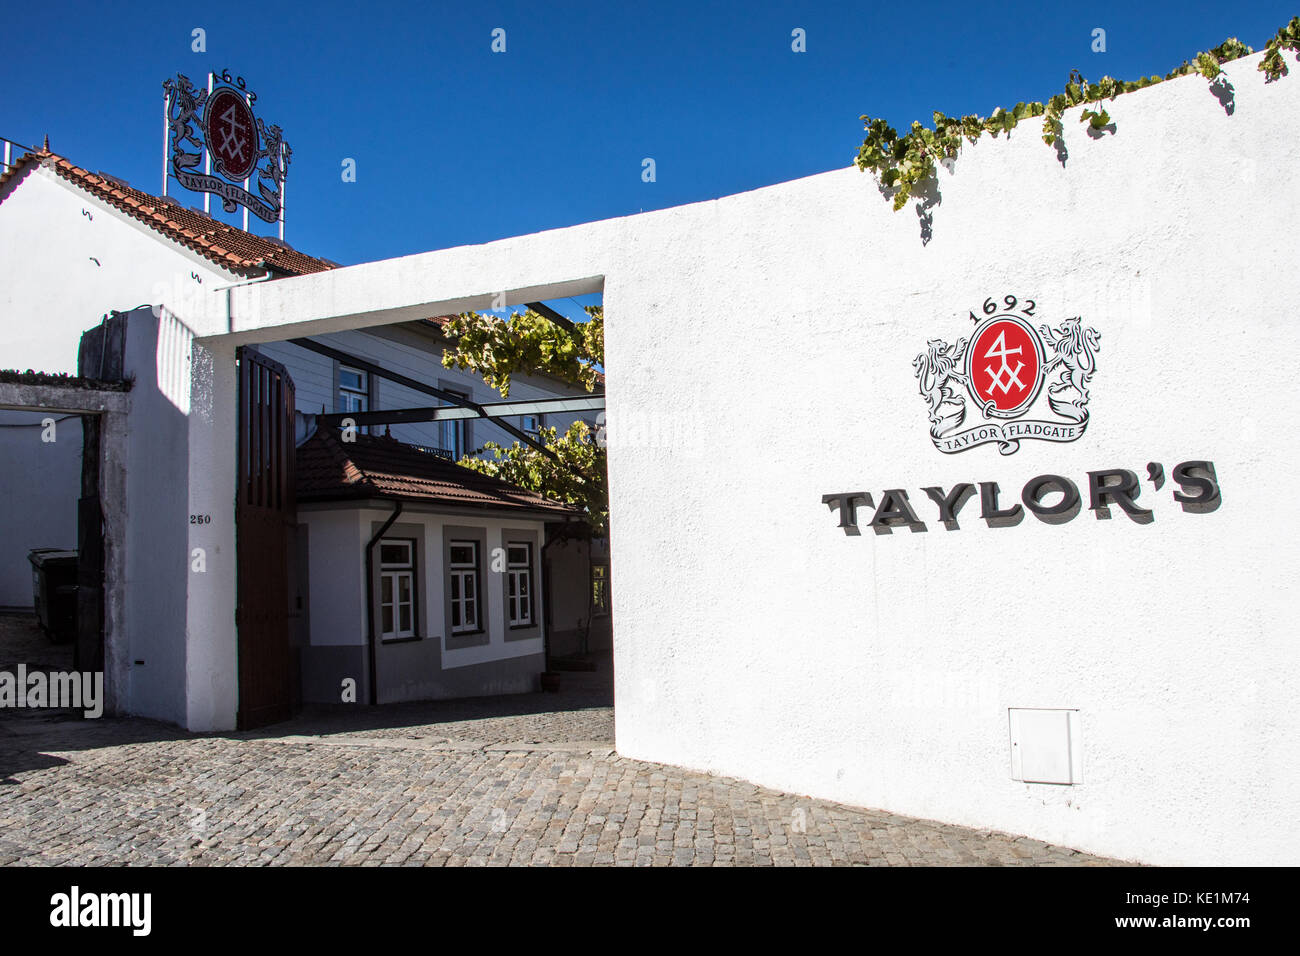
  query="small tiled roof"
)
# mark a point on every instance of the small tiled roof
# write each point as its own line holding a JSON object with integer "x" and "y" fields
{"x": 372, "y": 466}
{"x": 227, "y": 246}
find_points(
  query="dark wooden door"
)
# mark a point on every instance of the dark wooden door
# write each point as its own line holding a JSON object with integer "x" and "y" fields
{"x": 88, "y": 650}
{"x": 264, "y": 518}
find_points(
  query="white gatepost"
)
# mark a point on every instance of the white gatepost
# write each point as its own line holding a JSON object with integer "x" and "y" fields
{"x": 211, "y": 662}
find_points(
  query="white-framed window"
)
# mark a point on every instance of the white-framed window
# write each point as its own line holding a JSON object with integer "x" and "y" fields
{"x": 465, "y": 593}
{"x": 397, "y": 607}
{"x": 531, "y": 425}
{"x": 354, "y": 390}
{"x": 519, "y": 583}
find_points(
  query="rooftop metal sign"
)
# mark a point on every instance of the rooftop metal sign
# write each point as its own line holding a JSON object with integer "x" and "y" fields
{"x": 244, "y": 161}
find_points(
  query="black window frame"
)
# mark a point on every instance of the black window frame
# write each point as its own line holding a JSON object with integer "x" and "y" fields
{"x": 600, "y": 609}
{"x": 458, "y": 427}
{"x": 539, "y": 422}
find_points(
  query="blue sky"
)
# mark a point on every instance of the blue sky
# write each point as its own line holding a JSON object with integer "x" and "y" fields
{"x": 455, "y": 144}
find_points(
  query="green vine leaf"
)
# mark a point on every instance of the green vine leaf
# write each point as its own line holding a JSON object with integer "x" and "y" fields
{"x": 577, "y": 475}
{"x": 1273, "y": 66}
{"x": 903, "y": 163}
{"x": 1097, "y": 119}
{"x": 529, "y": 343}
{"x": 526, "y": 342}
{"x": 1207, "y": 65}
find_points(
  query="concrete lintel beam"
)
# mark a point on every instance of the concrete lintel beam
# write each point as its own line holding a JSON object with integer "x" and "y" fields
{"x": 54, "y": 398}
{"x": 510, "y": 272}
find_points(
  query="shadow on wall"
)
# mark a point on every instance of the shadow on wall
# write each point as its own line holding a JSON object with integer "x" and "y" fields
{"x": 1225, "y": 93}
{"x": 39, "y": 485}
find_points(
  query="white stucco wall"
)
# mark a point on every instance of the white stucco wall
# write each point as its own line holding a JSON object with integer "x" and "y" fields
{"x": 160, "y": 571}
{"x": 755, "y": 639}
{"x": 40, "y": 483}
{"x": 67, "y": 258}
{"x": 211, "y": 639}
{"x": 336, "y": 575}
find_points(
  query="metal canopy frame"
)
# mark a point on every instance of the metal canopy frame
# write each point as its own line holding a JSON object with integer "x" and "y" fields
{"x": 462, "y": 407}
{"x": 443, "y": 413}
{"x": 542, "y": 309}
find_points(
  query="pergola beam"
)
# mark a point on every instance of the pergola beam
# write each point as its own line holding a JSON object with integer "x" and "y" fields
{"x": 443, "y": 413}
{"x": 541, "y": 308}
{"x": 354, "y": 361}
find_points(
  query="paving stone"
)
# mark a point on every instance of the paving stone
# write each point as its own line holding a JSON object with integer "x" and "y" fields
{"x": 508, "y": 781}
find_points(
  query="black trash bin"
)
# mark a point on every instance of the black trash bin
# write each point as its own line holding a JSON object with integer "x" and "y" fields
{"x": 54, "y": 592}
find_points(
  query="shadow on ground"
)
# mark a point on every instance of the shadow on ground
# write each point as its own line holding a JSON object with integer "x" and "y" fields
{"x": 582, "y": 710}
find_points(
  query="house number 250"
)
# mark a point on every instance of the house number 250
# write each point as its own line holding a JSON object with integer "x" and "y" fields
{"x": 200, "y": 519}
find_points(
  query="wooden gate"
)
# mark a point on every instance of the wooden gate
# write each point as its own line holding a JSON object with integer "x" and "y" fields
{"x": 88, "y": 650}
{"x": 264, "y": 519}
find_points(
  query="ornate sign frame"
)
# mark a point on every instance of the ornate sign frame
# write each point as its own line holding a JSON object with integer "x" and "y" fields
{"x": 191, "y": 122}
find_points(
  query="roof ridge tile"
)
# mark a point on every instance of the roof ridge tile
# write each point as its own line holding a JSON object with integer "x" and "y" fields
{"x": 239, "y": 251}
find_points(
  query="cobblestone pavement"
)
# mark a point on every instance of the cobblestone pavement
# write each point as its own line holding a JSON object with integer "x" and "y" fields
{"x": 523, "y": 780}
{"x": 22, "y": 640}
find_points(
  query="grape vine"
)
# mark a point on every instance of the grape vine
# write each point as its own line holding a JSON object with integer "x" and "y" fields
{"x": 903, "y": 163}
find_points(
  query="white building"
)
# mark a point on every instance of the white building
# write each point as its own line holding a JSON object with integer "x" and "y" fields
{"x": 451, "y": 555}
{"x": 75, "y": 245}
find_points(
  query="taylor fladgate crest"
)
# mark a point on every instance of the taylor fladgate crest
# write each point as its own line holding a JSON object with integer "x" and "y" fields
{"x": 1003, "y": 367}
{"x": 245, "y": 153}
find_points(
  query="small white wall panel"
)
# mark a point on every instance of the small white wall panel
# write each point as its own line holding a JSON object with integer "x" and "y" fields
{"x": 1045, "y": 745}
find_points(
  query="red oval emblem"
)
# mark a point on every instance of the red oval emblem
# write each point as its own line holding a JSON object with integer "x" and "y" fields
{"x": 231, "y": 133}
{"x": 1004, "y": 365}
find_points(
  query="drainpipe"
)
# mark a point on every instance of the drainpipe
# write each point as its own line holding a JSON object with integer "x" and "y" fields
{"x": 370, "y": 599}
{"x": 268, "y": 274}
{"x": 563, "y": 534}
{"x": 546, "y": 603}
{"x": 547, "y": 618}
{"x": 591, "y": 599}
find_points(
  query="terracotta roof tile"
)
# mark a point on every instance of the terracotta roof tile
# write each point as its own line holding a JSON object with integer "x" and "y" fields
{"x": 329, "y": 469}
{"x": 227, "y": 246}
